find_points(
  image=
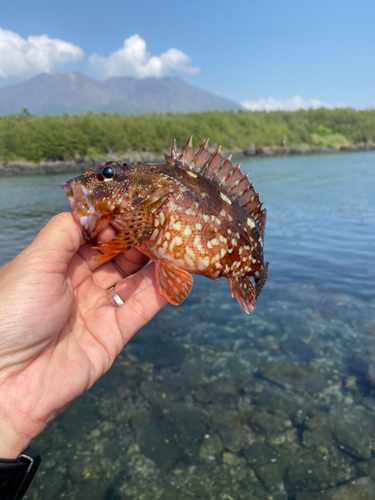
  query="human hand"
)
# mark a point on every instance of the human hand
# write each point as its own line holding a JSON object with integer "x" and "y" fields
{"x": 60, "y": 329}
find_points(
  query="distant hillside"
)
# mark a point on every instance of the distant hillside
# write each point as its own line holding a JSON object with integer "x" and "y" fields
{"x": 74, "y": 93}
{"x": 77, "y": 138}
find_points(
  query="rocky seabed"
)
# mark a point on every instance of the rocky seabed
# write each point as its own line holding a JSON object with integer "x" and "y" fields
{"x": 271, "y": 408}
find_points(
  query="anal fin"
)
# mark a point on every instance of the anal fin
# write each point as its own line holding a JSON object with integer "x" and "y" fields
{"x": 244, "y": 291}
{"x": 174, "y": 283}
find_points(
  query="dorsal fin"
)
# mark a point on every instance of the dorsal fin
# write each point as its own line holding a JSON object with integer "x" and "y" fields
{"x": 221, "y": 172}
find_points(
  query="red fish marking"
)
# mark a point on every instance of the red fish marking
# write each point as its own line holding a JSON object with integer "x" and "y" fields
{"x": 196, "y": 214}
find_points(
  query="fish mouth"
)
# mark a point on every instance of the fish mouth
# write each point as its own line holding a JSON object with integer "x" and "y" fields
{"x": 69, "y": 194}
{"x": 82, "y": 205}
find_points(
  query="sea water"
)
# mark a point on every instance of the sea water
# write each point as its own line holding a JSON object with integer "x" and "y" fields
{"x": 206, "y": 402}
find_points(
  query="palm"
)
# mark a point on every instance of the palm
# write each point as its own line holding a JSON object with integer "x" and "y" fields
{"x": 74, "y": 330}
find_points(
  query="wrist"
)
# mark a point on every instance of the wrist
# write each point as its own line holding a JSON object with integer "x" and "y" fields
{"x": 11, "y": 442}
{"x": 10, "y": 451}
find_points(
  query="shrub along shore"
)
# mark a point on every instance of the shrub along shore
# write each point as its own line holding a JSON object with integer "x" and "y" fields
{"x": 55, "y": 143}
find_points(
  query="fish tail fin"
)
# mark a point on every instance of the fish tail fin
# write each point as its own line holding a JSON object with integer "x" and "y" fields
{"x": 243, "y": 290}
{"x": 174, "y": 283}
{"x": 260, "y": 282}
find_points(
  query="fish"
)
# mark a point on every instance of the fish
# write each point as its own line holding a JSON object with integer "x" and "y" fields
{"x": 194, "y": 214}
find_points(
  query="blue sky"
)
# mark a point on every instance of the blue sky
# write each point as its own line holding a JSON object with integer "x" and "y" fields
{"x": 263, "y": 53}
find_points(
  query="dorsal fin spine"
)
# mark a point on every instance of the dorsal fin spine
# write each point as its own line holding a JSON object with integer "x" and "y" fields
{"x": 174, "y": 150}
{"x": 209, "y": 166}
{"x": 174, "y": 156}
{"x": 240, "y": 194}
{"x": 219, "y": 167}
{"x": 229, "y": 174}
{"x": 250, "y": 201}
{"x": 186, "y": 156}
{"x": 237, "y": 183}
{"x": 189, "y": 143}
{"x": 248, "y": 188}
{"x": 210, "y": 160}
{"x": 216, "y": 171}
{"x": 201, "y": 149}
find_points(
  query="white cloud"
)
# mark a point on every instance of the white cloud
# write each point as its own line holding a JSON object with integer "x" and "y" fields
{"x": 133, "y": 60}
{"x": 20, "y": 58}
{"x": 296, "y": 102}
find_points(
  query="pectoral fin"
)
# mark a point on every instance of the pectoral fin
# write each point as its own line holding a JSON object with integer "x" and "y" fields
{"x": 174, "y": 283}
{"x": 135, "y": 228}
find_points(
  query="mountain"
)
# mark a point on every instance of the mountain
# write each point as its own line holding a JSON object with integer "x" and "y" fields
{"x": 74, "y": 93}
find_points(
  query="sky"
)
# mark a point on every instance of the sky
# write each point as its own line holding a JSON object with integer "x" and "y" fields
{"x": 264, "y": 54}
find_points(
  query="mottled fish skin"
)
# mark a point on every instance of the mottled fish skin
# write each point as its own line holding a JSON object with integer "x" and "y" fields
{"x": 195, "y": 214}
{"x": 195, "y": 230}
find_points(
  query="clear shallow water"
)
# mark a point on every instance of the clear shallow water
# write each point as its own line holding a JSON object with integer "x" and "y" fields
{"x": 209, "y": 403}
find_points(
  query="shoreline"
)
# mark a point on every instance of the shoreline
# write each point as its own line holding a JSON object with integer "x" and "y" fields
{"x": 14, "y": 168}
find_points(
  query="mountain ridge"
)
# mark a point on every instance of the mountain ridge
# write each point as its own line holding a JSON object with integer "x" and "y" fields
{"x": 75, "y": 93}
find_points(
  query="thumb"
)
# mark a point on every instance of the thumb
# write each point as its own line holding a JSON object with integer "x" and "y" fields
{"x": 58, "y": 241}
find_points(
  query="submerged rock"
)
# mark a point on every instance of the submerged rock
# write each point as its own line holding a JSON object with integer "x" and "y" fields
{"x": 79, "y": 418}
{"x": 272, "y": 476}
{"x": 298, "y": 350}
{"x": 232, "y": 459}
{"x": 260, "y": 453}
{"x": 160, "y": 351}
{"x": 268, "y": 423}
{"x": 368, "y": 468}
{"x": 354, "y": 428}
{"x": 298, "y": 378}
{"x": 343, "y": 435}
{"x": 53, "y": 488}
{"x": 310, "y": 470}
{"x": 270, "y": 466}
{"x": 236, "y": 437}
{"x": 119, "y": 410}
{"x": 353, "y": 441}
{"x": 268, "y": 396}
{"x": 161, "y": 442}
{"x": 318, "y": 433}
{"x": 192, "y": 425}
{"x": 358, "y": 489}
{"x": 222, "y": 391}
{"x": 369, "y": 403}
{"x": 160, "y": 390}
{"x": 211, "y": 448}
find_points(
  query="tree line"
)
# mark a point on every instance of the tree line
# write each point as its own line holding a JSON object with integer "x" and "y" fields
{"x": 94, "y": 135}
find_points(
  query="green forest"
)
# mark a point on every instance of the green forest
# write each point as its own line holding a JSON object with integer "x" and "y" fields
{"x": 35, "y": 138}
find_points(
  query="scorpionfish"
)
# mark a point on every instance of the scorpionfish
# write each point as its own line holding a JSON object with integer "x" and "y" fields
{"x": 195, "y": 214}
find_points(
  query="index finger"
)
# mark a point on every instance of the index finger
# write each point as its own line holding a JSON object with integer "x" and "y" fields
{"x": 142, "y": 300}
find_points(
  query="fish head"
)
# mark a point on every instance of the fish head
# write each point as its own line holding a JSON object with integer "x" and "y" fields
{"x": 98, "y": 195}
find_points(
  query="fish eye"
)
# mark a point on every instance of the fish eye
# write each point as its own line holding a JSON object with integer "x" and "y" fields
{"x": 108, "y": 171}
